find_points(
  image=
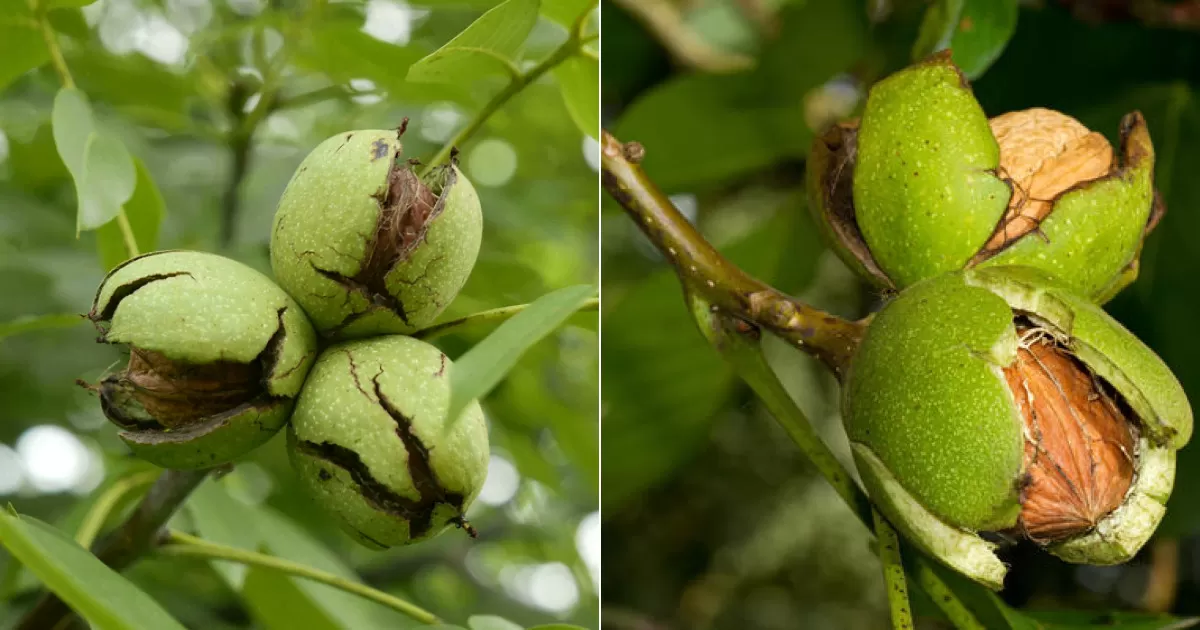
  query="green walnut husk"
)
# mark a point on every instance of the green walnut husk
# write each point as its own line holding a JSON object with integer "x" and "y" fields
{"x": 918, "y": 186}
{"x": 217, "y": 356}
{"x": 940, "y": 439}
{"x": 366, "y": 245}
{"x": 370, "y": 441}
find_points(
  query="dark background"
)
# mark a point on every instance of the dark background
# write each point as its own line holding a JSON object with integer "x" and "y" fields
{"x": 712, "y": 517}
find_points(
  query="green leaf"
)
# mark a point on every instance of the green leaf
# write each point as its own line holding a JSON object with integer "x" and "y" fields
{"x": 485, "y": 365}
{"x": 21, "y": 49}
{"x": 557, "y": 626}
{"x": 145, "y": 210}
{"x": 100, "y": 595}
{"x": 491, "y": 622}
{"x": 975, "y": 30}
{"x": 33, "y": 323}
{"x": 579, "y": 79}
{"x": 487, "y": 47}
{"x": 102, "y": 168}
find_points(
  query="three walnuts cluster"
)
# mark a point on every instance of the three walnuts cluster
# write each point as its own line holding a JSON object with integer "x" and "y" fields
{"x": 993, "y": 398}
{"x": 365, "y": 249}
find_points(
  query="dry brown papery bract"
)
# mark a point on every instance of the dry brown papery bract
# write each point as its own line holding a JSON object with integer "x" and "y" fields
{"x": 1078, "y": 442}
{"x": 1042, "y": 154}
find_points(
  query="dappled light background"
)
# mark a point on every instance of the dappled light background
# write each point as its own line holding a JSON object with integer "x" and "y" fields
{"x": 174, "y": 79}
{"x": 711, "y": 516}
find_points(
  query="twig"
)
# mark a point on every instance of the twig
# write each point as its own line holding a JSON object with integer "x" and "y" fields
{"x": 492, "y": 316}
{"x": 893, "y": 573}
{"x": 181, "y": 544}
{"x": 128, "y": 542}
{"x": 664, "y": 19}
{"x": 706, "y": 273}
{"x": 573, "y": 45}
{"x": 94, "y": 520}
{"x": 738, "y": 339}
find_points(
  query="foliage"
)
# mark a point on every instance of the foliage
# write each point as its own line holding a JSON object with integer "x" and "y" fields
{"x": 133, "y": 125}
{"x": 718, "y": 515}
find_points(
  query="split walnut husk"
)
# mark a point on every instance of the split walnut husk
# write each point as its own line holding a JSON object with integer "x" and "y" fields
{"x": 924, "y": 184}
{"x": 998, "y": 401}
{"x": 217, "y": 355}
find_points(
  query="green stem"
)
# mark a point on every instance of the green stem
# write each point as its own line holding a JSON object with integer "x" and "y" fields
{"x": 739, "y": 342}
{"x": 131, "y": 246}
{"x": 944, "y": 598}
{"x": 706, "y": 273}
{"x": 94, "y": 520}
{"x": 518, "y": 82}
{"x": 492, "y": 316}
{"x": 56, "y": 56}
{"x": 181, "y": 544}
{"x": 893, "y": 573}
{"x": 64, "y": 74}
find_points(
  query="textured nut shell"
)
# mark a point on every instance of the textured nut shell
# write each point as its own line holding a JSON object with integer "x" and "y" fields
{"x": 925, "y": 195}
{"x": 339, "y": 405}
{"x": 199, "y": 308}
{"x": 327, "y": 219}
{"x": 1043, "y": 152}
{"x": 1078, "y": 443}
{"x": 1094, "y": 232}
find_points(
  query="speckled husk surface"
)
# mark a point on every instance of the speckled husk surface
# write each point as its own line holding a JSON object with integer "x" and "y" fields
{"x": 369, "y": 439}
{"x": 196, "y": 308}
{"x": 325, "y": 228}
{"x": 937, "y": 435}
{"x": 916, "y": 188}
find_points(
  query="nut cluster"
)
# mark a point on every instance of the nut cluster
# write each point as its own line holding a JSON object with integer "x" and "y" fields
{"x": 219, "y": 355}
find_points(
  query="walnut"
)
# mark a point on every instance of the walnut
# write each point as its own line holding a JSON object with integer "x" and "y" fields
{"x": 1042, "y": 154}
{"x": 1078, "y": 442}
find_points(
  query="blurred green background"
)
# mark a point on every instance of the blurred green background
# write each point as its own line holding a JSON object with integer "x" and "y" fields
{"x": 175, "y": 80}
{"x": 711, "y": 516}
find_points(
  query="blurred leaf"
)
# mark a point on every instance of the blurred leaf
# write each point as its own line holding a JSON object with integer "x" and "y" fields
{"x": 1081, "y": 619}
{"x": 477, "y": 372}
{"x": 340, "y": 50}
{"x": 564, "y": 12}
{"x": 975, "y": 30}
{"x": 66, "y": 4}
{"x": 662, "y": 386}
{"x": 557, "y": 626}
{"x": 99, "y": 594}
{"x": 702, "y": 130}
{"x": 491, "y": 622}
{"x": 579, "y": 80}
{"x": 34, "y": 323}
{"x": 275, "y": 602}
{"x": 21, "y": 48}
{"x": 100, "y": 164}
{"x": 487, "y": 47}
{"x": 145, "y": 210}
{"x": 283, "y": 538}
{"x": 223, "y": 519}
{"x": 69, "y": 22}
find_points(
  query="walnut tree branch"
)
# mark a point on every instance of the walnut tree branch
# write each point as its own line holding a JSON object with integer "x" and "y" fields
{"x": 706, "y": 273}
{"x": 129, "y": 541}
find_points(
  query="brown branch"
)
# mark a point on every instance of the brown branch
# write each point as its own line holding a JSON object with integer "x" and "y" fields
{"x": 125, "y": 544}
{"x": 706, "y": 273}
